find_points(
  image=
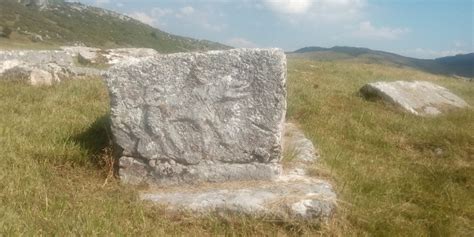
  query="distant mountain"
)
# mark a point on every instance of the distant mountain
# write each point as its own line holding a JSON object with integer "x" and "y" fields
{"x": 460, "y": 65}
{"x": 463, "y": 63}
{"x": 61, "y": 23}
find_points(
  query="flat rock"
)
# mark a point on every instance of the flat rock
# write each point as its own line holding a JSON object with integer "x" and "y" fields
{"x": 192, "y": 117}
{"x": 292, "y": 195}
{"x": 288, "y": 197}
{"x": 418, "y": 97}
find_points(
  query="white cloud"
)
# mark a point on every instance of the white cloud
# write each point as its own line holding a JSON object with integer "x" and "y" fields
{"x": 161, "y": 12}
{"x": 143, "y": 17}
{"x": 339, "y": 18}
{"x": 459, "y": 44}
{"x": 341, "y": 3}
{"x": 289, "y": 6}
{"x": 368, "y": 31}
{"x": 241, "y": 43}
{"x": 185, "y": 12}
{"x": 188, "y": 10}
{"x": 101, "y": 2}
{"x": 316, "y": 11}
{"x": 153, "y": 18}
{"x": 338, "y": 10}
{"x": 213, "y": 27}
{"x": 201, "y": 18}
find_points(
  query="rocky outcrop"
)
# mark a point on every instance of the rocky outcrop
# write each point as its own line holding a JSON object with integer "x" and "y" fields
{"x": 193, "y": 117}
{"x": 418, "y": 97}
{"x": 115, "y": 56}
{"x": 35, "y": 3}
{"x": 44, "y": 67}
{"x": 67, "y": 63}
{"x": 85, "y": 55}
{"x": 91, "y": 56}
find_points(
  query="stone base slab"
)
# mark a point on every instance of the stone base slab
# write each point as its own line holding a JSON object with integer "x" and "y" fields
{"x": 290, "y": 196}
{"x": 135, "y": 171}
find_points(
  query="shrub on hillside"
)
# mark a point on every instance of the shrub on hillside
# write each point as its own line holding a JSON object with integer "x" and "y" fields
{"x": 5, "y": 32}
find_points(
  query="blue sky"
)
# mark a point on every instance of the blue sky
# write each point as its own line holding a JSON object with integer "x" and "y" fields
{"x": 417, "y": 28}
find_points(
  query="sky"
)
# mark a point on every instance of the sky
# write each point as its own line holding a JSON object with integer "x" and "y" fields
{"x": 416, "y": 28}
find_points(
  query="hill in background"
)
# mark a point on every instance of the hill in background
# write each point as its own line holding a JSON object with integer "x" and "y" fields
{"x": 57, "y": 22}
{"x": 459, "y": 65}
{"x": 51, "y": 23}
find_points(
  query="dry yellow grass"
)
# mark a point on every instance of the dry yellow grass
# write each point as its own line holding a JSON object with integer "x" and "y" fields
{"x": 384, "y": 162}
{"x": 55, "y": 162}
{"x": 17, "y": 41}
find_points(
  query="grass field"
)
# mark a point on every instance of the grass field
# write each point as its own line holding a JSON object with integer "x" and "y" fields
{"x": 395, "y": 174}
{"x": 20, "y": 42}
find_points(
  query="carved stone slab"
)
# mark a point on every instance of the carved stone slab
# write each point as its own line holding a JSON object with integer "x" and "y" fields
{"x": 192, "y": 117}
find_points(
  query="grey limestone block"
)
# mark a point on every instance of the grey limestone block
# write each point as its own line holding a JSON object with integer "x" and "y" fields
{"x": 299, "y": 198}
{"x": 292, "y": 195}
{"x": 192, "y": 117}
{"x": 421, "y": 98}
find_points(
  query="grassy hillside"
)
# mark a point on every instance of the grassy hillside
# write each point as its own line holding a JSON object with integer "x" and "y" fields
{"x": 71, "y": 23}
{"x": 461, "y": 65}
{"x": 395, "y": 174}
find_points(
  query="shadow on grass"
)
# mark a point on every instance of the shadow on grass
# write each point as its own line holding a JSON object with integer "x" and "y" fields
{"x": 97, "y": 141}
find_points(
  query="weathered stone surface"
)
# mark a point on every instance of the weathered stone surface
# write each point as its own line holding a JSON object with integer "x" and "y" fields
{"x": 291, "y": 195}
{"x": 297, "y": 145}
{"x": 35, "y": 3}
{"x": 32, "y": 66}
{"x": 303, "y": 198}
{"x": 115, "y": 56}
{"x": 61, "y": 64}
{"x": 85, "y": 55}
{"x": 88, "y": 55}
{"x": 37, "y": 57}
{"x": 194, "y": 117}
{"x": 40, "y": 77}
{"x": 417, "y": 97}
{"x": 7, "y": 65}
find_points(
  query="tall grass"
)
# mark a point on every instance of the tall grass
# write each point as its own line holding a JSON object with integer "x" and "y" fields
{"x": 55, "y": 173}
{"x": 395, "y": 174}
